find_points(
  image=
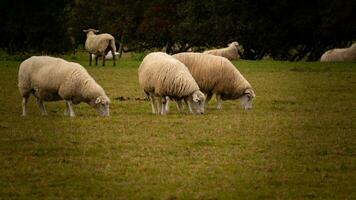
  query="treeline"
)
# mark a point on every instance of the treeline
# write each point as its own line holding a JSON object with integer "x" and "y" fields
{"x": 284, "y": 30}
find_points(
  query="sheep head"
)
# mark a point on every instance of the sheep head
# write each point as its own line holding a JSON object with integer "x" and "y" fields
{"x": 246, "y": 99}
{"x": 90, "y": 31}
{"x": 102, "y": 104}
{"x": 197, "y": 102}
{"x": 235, "y": 44}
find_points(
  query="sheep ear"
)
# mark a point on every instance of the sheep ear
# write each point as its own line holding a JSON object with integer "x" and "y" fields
{"x": 85, "y": 31}
{"x": 97, "y": 100}
{"x": 195, "y": 98}
{"x": 249, "y": 92}
{"x": 96, "y": 31}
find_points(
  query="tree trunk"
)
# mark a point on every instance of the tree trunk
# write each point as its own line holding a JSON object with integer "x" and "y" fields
{"x": 121, "y": 44}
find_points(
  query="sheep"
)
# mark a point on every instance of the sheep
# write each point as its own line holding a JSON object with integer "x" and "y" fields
{"x": 344, "y": 54}
{"x": 53, "y": 79}
{"x": 108, "y": 56}
{"x": 217, "y": 75}
{"x": 99, "y": 45}
{"x": 230, "y": 52}
{"x": 161, "y": 76}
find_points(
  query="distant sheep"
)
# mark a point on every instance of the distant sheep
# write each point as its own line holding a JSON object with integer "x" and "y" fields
{"x": 231, "y": 52}
{"x": 161, "y": 76}
{"x": 217, "y": 75}
{"x": 53, "y": 79}
{"x": 99, "y": 45}
{"x": 345, "y": 54}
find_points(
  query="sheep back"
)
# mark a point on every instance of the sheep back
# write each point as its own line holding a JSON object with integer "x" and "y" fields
{"x": 340, "y": 54}
{"x": 214, "y": 74}
{"x": 230, "y": 52}
{"x": 97, "y": 44}
{"x": 162, "y": 75}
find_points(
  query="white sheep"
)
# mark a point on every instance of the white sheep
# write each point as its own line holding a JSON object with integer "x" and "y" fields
{"x": 162, "y": 76}
{"x": 99, "y": 45}
{"x": 344, "y": 54}
{"x": 217, "y": 75}
{"x": 230, "y": 52}
{"x": 53, "y": 79}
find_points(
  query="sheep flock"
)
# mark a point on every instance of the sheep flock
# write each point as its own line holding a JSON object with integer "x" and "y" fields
{"x": 191, "y": 77}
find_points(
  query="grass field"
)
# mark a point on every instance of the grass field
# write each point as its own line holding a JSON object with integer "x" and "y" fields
{"x": 298, "y": 141}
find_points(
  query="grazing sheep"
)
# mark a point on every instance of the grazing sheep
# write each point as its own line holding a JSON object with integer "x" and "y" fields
{"x": 230, "y": 52}
{"x": 161, "y": 76}
{"x": 345, "y": 54}
{"x": 53, "y": 79}
{"x": 99, "y": 45}
{"x": 217, "y": 75}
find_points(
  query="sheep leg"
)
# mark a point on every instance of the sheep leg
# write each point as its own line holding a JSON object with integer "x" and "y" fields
{"x": 179, "y": 105}
{"x": 24, "y": 106}
{"x": 70, "y": 108}
{"x": 41, "y": 106}
{"x": 103, "y": 59}
{"x": 166, "y": 108}
{"x": 113, "y": 57}
{"x": 159, "y": 106}
{"x": 218, "y": 101}
{"x": 208, "y": 97}
{"x": 90, "y": 59}
{"x": 96, "y": 60}
{"x": 187, "y": 103}
{"x": 153, "y": 104}
{"x": 66, "y": 110}
{"x": 163, "y": 105}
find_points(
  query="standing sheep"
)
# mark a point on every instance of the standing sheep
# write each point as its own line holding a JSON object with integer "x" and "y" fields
{"x": 231, "y": 52}
{"x": 99, "y": 45}
{"x": 217, "y": 75}
{"x": 53, "y": 79}
{"x": 345, "y": 54}
{"x": 161, "y": 76}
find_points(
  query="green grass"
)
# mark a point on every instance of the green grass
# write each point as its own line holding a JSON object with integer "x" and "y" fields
{"x": 298, "y": 142}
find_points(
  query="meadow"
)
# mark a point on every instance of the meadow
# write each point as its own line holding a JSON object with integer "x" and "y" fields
{"x": 298, "y": 141}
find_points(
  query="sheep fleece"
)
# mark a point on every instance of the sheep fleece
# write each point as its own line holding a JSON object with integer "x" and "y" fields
{"x": 215, "y": 74}
{"x": 52, "y": 79}
{"x": 344, "y": 54}
{"x": 163, "y": 75}
{"x": 97, "y": 44}
{"x": 229, "y": 52}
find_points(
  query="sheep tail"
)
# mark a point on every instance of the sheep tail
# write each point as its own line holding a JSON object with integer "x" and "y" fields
{"x": 112, "y": 44}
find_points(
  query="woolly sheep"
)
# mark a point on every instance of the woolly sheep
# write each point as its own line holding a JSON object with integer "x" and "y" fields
{"x": 99, "y": 45}
{"x": 161, "y": 76}
{"x": 344, "y": 54}
{"x": 53, "y": 79}
{"x": 217, "y": 75}
{"x": 230, "y": 52}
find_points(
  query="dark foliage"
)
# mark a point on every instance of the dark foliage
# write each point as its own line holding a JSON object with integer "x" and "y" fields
{"x": 284, "y": 30}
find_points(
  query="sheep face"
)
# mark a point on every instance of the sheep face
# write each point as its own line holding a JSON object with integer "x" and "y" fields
{"x": 234, "y": 44}
{"x": 246, "y": 99}
{"x": 196, "y": 102}
{"x": 102, "y": 104}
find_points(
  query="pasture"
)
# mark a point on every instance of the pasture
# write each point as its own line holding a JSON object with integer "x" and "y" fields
{"x": 298, "y": 141}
